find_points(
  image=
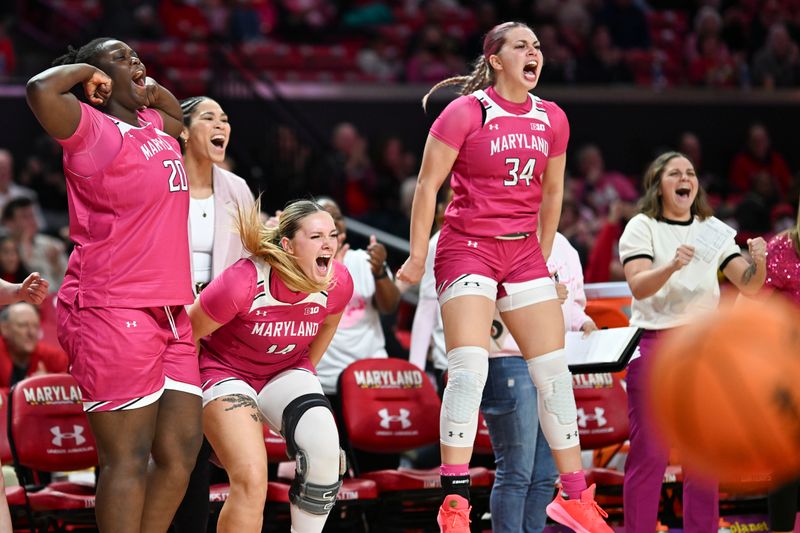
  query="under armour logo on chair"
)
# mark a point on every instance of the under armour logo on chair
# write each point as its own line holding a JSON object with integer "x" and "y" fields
{"x": 58, "y": 436}
{"x": 387, "y": 419}
{"x": 598, "y": 416}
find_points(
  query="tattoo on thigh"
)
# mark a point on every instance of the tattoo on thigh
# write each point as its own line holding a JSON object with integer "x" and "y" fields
{"x": 749, "y": 273}
{"x": 242, "y": 400}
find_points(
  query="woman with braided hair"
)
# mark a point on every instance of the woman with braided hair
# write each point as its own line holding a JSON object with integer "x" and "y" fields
{"x": 506, "y": 150}
{"x": 121, "y": 315}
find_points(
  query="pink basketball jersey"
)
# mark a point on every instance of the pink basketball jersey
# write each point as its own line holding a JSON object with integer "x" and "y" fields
{"x": 265, "y": 326}
{"x": 503, "y": 152}
{"x": 128, "y": 210}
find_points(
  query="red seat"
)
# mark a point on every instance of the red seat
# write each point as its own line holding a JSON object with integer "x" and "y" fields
{"x": 390, "y": 406}
{"x": 49, "y": 432}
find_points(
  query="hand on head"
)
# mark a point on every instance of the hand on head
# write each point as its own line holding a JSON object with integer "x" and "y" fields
{"x": 98, "y": 88}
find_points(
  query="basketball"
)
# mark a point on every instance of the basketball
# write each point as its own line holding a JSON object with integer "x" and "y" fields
{"x": 725, "y": 392}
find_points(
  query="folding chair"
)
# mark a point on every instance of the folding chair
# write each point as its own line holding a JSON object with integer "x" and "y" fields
{"x": 390, "y": 406}
{"x": 49, "y": 432}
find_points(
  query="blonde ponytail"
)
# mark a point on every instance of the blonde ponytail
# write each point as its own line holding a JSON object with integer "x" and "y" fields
{"x": 265, "y": 242}
{"x": 481, "y": 77}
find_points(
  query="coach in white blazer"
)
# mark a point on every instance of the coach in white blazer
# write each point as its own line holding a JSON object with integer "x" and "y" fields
{"x": 217, "y": 195}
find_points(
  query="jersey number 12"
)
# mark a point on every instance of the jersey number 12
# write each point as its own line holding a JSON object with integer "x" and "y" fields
{"x": 516, "y": 175}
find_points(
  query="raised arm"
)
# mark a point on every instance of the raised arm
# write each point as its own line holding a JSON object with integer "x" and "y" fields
{"x": 645, "y": 281}
{"x": 56, "y": 108}
{"x": 746, "y": 275}
{"x": 163, "y": 101}
{"x": 437, "y": 161}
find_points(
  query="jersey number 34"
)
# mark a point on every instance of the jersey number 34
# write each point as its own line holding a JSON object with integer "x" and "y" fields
{"x": 515, "y": 175}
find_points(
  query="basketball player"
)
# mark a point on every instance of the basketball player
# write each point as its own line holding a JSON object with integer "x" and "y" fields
{"x": 120, "y": 309}
{"x": 216, "y": 196}
{"x": 506, "y": 150}
{"x": 656, "y": 245}
{"x": 783, "y": 269}
{"x": 272, "y": 317}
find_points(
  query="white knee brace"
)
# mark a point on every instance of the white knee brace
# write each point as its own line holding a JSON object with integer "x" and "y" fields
{"x": 467, "y": 368}
{"x": 557, "y": 413}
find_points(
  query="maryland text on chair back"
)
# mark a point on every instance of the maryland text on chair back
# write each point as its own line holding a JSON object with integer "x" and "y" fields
{"x": 49, "y": 430}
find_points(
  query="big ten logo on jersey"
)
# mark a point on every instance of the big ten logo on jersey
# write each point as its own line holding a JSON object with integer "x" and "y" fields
{"x": 395, "y": 422}
{"x": 50, "y": 395}
{"x": 388, "y": 379}
{"x": 592, "y": 381}
{"x": 311, "y": 310}
{"x": 177, "y": 175}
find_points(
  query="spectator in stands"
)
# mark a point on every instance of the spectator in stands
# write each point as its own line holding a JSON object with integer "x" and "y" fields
{"x": 603, "y": 62}
{"x": 777, "y": 64}
{"x": 598, "y": 187}
{"x": 289, "y": 168}
{"x": 758, "y": 156}
{"x": 8, "y": 58}
{"x": 43, "y": 174}
{"x": 183, "y": 20}
{"x": 713, "y": 66}
{"x": 349, "y": 171}
{"x": 22, "y": 353}
{"x": 433, "y": 57}
{"x": 574, "y": 26}
{"x": 689, "y": 144}
{"x": 627, "y": 22}
{"x": 526, "y": 472}
{"x": 9, "y": 189}
{"x": 380, "y": 59}
{"x": 603, "y": 264}
{"x": 12, "y": 269}
{"x": 38, "y": 251}
{"x": 561, "y": 65}
{"x": 216, "y": 197}
{"x": 753, "y": 212}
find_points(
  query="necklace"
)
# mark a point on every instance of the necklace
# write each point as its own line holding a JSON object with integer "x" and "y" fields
{"x": 204, "y": 205}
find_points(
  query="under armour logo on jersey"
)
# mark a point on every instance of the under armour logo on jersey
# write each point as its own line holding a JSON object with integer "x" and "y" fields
{"x": 259, "y": 312}
{"x": 130, "y": 324}
{"x": 387, "y": 419}
{"x": 598, "y": 416}
{"x": 494, "y": 126}
{"x": 451, "y": 434}
{"x": 472, "y": 244}
{"x": 58, "y": 436}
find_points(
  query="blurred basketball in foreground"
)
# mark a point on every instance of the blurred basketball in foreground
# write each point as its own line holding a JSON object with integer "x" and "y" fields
{"x": 725, "y": 391}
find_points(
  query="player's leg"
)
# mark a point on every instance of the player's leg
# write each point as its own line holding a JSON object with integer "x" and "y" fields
{"x": 233, "y": 426}
{"x": 294, "y": 404}
{"x": 177, "y": 440}
{"x": 534, "y": 318}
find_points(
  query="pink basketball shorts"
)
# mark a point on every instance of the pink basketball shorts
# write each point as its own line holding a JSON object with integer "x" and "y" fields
{"x": 492, "y": 264}
{"x": 125, "y": 358}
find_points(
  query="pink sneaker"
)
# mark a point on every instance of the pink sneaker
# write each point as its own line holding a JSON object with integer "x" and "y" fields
{"x": 584, "y": 515}
{"x": 454, "y": 515}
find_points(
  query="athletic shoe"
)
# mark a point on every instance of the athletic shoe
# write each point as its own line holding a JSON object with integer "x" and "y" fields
{"x": 454, "y": 515}
{"x": 583, "y": 516}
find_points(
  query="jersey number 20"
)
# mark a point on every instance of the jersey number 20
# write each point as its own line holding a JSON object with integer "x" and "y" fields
{"x": 516, "y": 175}
{"x": 177, "y": 176}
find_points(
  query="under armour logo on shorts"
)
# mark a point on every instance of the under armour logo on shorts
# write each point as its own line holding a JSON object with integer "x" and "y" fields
{"x": 472, "y": 244}
{"x": 130, "y": 324}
